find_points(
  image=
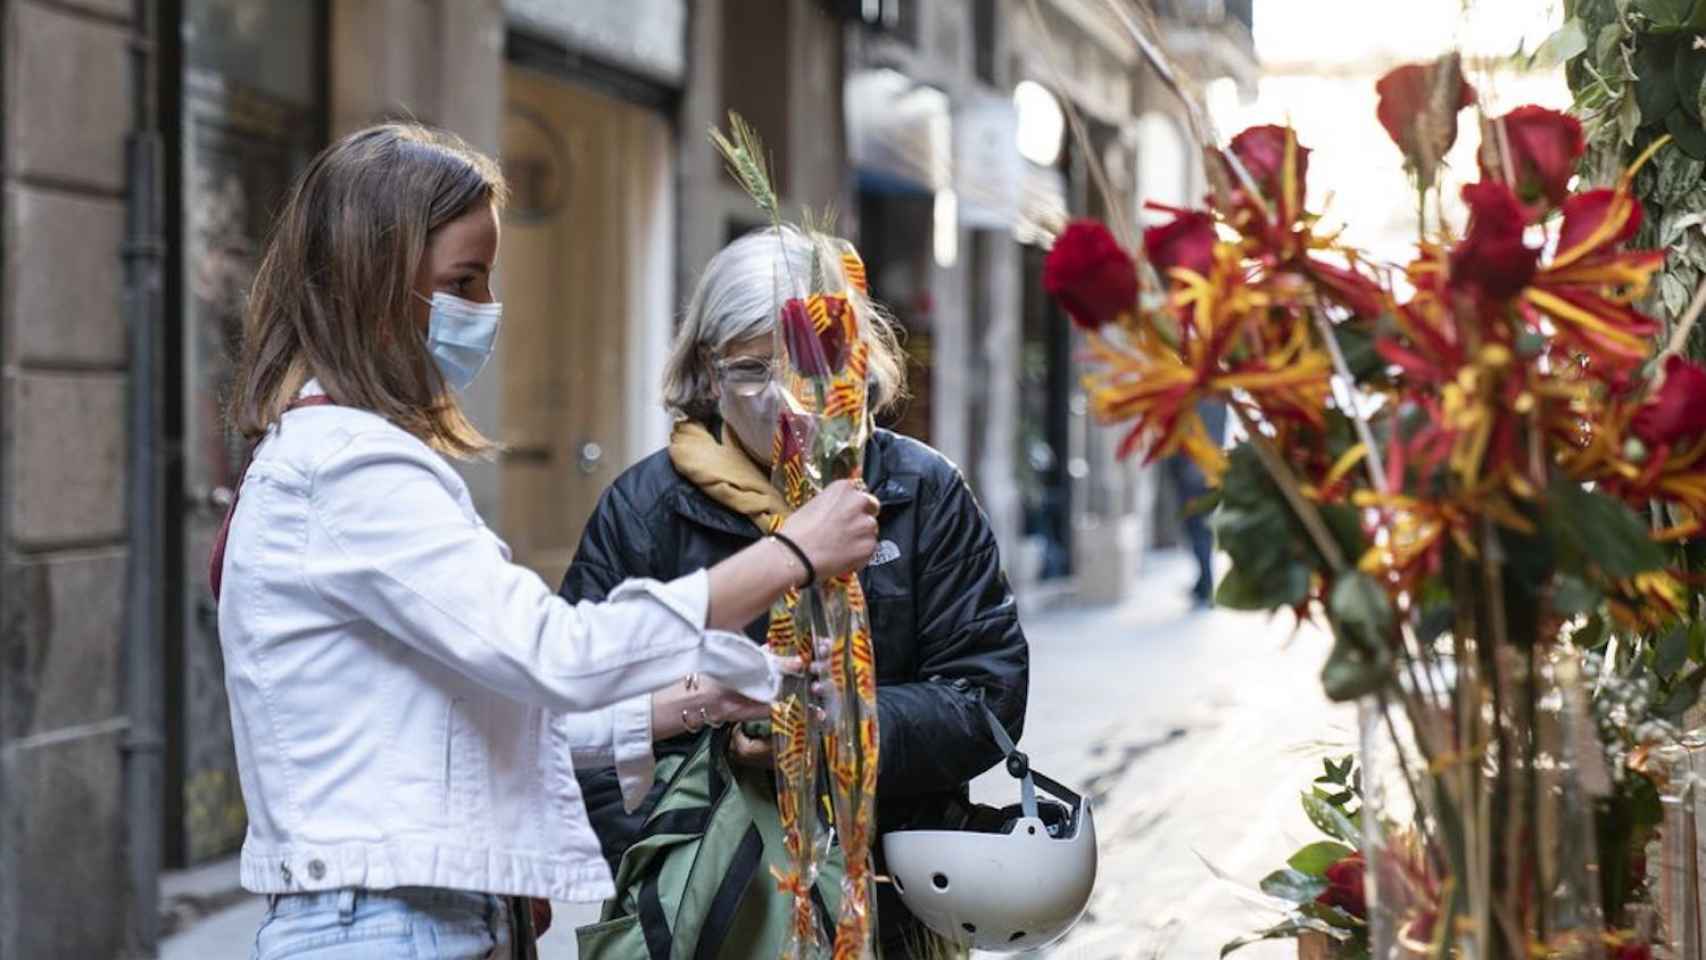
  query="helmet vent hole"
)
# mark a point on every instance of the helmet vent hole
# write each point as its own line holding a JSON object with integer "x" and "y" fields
{"x": 969, "y": 927}
{"x": 1015, "y": 938}
{"x": 1031, "y": 830}
{"x": 940, "y": 880}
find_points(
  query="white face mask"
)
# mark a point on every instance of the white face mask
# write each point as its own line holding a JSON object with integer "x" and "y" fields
{"x": 753, "y": 419}
{"x": 461, "y": 335}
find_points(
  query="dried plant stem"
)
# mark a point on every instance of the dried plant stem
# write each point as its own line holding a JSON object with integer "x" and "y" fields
{"x": 1684, "y": 326}
{"x": 1300, "y": 505}
{"x": 1124, "y": 226}
{"x": 1376, "y": 466}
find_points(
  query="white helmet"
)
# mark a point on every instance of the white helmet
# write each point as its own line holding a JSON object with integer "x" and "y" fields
{"x": 1020, "y": 884}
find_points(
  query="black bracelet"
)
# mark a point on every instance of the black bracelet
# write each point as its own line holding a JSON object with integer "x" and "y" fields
{"x": 811, "y": 571}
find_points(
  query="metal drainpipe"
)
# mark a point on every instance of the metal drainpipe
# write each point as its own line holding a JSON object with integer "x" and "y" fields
{"x": 143, "y": 253}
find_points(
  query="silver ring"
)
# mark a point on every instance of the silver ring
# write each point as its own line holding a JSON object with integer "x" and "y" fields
{"x": 687, "y": 723}
{"x": 705, "y": 718}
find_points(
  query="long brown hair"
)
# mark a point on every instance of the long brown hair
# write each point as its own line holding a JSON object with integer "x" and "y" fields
{"x": 331, "y": 299}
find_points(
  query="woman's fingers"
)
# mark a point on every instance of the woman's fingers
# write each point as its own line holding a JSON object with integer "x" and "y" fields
{"x": 749, "y": 751}
{"x": 837, "y": 529}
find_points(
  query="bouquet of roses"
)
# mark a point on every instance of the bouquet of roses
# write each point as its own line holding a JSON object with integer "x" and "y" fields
{"x": 821, "y": 361}
{"x": 1447, "y": 462}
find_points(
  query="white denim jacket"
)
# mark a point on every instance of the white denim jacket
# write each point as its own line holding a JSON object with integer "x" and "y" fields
{"x": 398, "y": 688}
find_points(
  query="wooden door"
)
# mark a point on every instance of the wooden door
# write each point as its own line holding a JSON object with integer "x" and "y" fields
{"x": 573, "y": 273}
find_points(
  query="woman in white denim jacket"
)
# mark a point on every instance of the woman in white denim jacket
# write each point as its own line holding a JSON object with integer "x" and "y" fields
{"x": 398, "y": 687}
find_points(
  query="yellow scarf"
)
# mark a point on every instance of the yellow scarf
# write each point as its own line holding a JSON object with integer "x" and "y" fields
{"x": 726, "y": 474}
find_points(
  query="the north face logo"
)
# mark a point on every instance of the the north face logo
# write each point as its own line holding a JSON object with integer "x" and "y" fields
{"x": 886, "y": 551}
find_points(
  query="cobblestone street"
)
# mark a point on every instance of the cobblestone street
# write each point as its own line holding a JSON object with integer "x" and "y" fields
{"x": 1194, "y": 734}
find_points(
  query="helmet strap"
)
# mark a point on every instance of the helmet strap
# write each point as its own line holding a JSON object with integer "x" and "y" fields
{"x": 1019, "y": 766}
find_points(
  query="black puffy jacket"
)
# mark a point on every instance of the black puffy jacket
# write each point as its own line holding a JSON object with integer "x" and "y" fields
{"x": 943, "y": 620}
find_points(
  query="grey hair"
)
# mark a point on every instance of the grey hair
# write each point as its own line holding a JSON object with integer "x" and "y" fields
{"x": 735, "y": 300}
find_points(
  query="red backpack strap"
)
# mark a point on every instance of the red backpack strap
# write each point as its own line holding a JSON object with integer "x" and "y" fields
{"x": 216, "y": 559}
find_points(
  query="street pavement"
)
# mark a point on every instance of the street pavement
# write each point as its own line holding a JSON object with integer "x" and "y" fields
{"x": 1193, "y": 733}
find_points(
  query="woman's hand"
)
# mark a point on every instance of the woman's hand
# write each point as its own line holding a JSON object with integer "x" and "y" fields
{"x": 837, "y": 529}
{"x": 751, "y": 752}
{"x": 698, "y": 702}
{"x": 837, "y": 532}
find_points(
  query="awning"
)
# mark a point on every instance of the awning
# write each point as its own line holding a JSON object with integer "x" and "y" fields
{"x": 899, "y": 133}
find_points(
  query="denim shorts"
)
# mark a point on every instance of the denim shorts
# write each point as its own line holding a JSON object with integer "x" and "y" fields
{"x": 408, "y": 923}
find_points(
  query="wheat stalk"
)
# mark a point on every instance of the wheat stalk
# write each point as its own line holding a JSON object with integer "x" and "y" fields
{"x": 744, "y": 154}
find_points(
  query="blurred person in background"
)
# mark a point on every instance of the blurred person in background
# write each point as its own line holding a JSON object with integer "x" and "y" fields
{"x": 1190, "y": 484}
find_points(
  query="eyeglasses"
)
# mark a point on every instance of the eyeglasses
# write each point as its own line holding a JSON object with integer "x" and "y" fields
{"x": 745, "y": 376}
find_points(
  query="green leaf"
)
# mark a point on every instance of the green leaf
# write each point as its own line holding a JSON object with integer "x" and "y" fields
{"x": 1317, "y": 857}
{"x": 1362, "y": 623}
{"x": 1330, "y": 820}
{"x": 1655, "y": 78}
{"x": 1610, "y": 37}
{"x": 1572, "y": 596}
{"x": 1666, "y": 14}
{"x": 1293, "y": 885}
{"x": 1678, "y": 178}
{"x": 1674, "y": 293}
{"x": 1239, "y": 590}
{"x": 1670, "y": 652}
{"x": 1690, "y": 135}
{"x": 1203, "y": 505}
{"x": 1356, "y": 342}
{"x": 1352, "y": 670}
{"x": 1628, "y": 120}
{"x": 1346, "y": 527}
{"x": 1284, "y": 930}
{"x": 1271, "y": 565}
{"x": 1592, "y": 531}
{"x": 1358, "y": 602}
{"x": 1570, "y": 40}
{"x": 1590, "y": 635}
{"x": 1332, "y": 916}
{"x": 1685, "y": 694}
{"x": 1690, "y": 73}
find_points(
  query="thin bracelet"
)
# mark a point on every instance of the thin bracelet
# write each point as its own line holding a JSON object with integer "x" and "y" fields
{"x": 811, "y": 571}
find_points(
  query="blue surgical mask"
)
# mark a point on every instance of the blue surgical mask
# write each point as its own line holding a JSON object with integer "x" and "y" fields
{"x": 460, "y": 335}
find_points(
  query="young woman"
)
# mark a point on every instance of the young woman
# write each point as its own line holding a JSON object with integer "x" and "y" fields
{"x": 396, "y": 684}
{"x": 943, "y": 621}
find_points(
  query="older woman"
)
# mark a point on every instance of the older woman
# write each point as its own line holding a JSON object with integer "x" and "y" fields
{"x": 943, "y": 619}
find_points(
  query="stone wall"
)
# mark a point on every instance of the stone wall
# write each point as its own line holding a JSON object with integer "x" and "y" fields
{"x": 63, "y": 363}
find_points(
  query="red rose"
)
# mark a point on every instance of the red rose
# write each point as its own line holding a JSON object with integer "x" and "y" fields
{"x": 1093, "y": 279}
{"x": 1186, "y": 241}
{"x": 1345, "y": 887}
{"x": 1544, "y": 147}
{"x": 814, "y": 352}
{"x": 1492, "y": 260}
{"x": 1585, "y": 213}
{"x": 1423, "y": 129}
{"x": 1261, "y": 150}
{"x": 1347, "y": 287}
{"x": 793, "y": 432}
{"x": 1678, "y": 411}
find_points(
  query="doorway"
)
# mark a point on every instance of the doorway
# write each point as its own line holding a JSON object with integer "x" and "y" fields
{"x": 586, "y": 275}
